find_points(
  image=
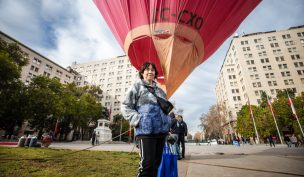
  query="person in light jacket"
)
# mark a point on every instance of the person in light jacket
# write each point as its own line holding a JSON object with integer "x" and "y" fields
{"x": 151, "y": 124}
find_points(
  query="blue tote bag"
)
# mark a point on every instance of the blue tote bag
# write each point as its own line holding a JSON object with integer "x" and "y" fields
{"x": 168, "y": 165}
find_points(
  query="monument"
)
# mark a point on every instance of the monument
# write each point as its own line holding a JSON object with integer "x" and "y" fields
{"x": 103, "y": 130}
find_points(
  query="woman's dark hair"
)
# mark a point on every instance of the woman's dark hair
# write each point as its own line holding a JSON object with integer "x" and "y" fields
{"x": 144, "y": 67}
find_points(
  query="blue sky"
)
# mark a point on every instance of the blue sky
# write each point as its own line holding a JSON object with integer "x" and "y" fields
{"x": 73, "y": 30}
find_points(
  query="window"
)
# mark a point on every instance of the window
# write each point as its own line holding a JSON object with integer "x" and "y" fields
{"x": 244, "y": 42}
{"x": 300, "y": 72}
{"x": 48, "y": 67}
{"x": 264, "y": 60}
{"x": 282, "y": 66}
{"x": 302, "y": 80}
{"x": 267, "y": 68}
{"x": 254, "y": 77}
{"x": 36, "y": 61}
{"x": 295, "y": 57}
{"x": 277, "y": 51}
{"x": 58, "y": 73}
{"x": 280, "y": 58}
{"x": 246, "y": 49}
{"x": 272, "y": 83}
{"x": 260, "y": 47}
{"x": 301, "y": 34}
{"x": 262, "y": 53}
{"x": 285, "y": 74}
{"x": 272, "y": 45}
{"x": 119, "y": 78}
{"x": 231, "y": 76}
{"x": 256, "y": 84}
{"x": 248, "y": 55}
{"x": 288, "y": 43}
{"x": 252, "y": 69}
{"x": 269, "y": 75}
{"x": 272, "y": 38}
{"x": 118, "y": 90}
{"x": 34, "y": 68}
{"x": 292, "y": 49}
{"x": 250, "y": 62}
{"x": 46, "y": 74}
{"x": 286, "y": 36}
{"x": 259, "y": 40}
{"x": 288, "y": 82}
{"x": 298, "y": 64}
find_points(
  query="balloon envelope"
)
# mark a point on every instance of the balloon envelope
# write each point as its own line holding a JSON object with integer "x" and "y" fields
{"x": 176, "y": 35}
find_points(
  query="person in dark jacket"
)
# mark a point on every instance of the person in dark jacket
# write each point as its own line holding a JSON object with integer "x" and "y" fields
{"x": 93, "y": 137}
{"x": 180, "y": 128}
{"x": 271, "y": 142}
{"x": 151, "y": 124}
{"x": 174, "y": 135}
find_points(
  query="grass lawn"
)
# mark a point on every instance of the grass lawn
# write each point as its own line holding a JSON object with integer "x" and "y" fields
{"x": 58, "y": 162}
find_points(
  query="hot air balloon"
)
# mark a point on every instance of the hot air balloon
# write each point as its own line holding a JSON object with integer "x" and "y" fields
{"x": 176, "y": 35}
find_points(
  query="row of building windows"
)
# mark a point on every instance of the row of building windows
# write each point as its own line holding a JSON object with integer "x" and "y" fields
{"x": 272, "y": 38}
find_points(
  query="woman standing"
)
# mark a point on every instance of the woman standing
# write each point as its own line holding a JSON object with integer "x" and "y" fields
{"x": 140, "y": 107}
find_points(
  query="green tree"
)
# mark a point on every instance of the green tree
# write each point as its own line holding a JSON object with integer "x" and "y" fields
{"x": 12, "y": 94}
{"x": 44, "y": 104}
{"x": 119, "y": 123}
{"x": 244, "y": 122}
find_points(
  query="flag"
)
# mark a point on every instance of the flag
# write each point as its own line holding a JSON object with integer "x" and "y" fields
{"x": 269, "y": 105}
{"x": 268, "y": 101}
{"x": 290, "y": 103}
{"x": 250, "y": 107}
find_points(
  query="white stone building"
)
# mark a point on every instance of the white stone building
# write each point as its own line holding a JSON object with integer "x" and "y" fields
{"x": 40, "y": 65}
{"x": 256, "y": 62}
{"x": 114, "y": 76}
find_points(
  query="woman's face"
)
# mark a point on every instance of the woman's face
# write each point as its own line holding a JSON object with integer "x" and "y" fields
{"x": 149, "y": 74}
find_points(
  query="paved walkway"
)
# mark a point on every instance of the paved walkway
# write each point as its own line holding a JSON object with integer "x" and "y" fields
{"x": 224, "y": 160}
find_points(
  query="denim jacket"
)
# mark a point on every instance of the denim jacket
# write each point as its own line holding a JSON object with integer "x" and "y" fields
{"x": 140, "y": 107}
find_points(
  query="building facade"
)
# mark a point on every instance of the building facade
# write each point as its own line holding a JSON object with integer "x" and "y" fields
{"x": 114, "y": 76}
{"x": 40, "y": 65}
{"x": 257, "y": 62}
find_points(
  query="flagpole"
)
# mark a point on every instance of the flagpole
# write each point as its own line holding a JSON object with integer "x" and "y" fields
{"x": 274, "y": 118}
{"x": 300, "y": 125}
{"x": 256, "y": 131}
{"x": 294, "y": 113}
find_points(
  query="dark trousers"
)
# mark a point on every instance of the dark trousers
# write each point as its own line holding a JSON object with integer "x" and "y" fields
{"x": 181, "y": 140}
{"x": 151, "y": 150}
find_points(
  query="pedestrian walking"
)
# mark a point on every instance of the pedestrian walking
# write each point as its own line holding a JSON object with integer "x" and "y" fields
{"x": 287, "y": 140}
{"x": 181, "y": 130}
{"x": 271, "y": 142}
{"x": 294, "y": 140}
{"x": 97, "y": 138}
{"x": 208, "y": 142}
{"x": 144, "y": 113}
{"x": 93, "y": 138}
{"x": 174, "y": 135}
